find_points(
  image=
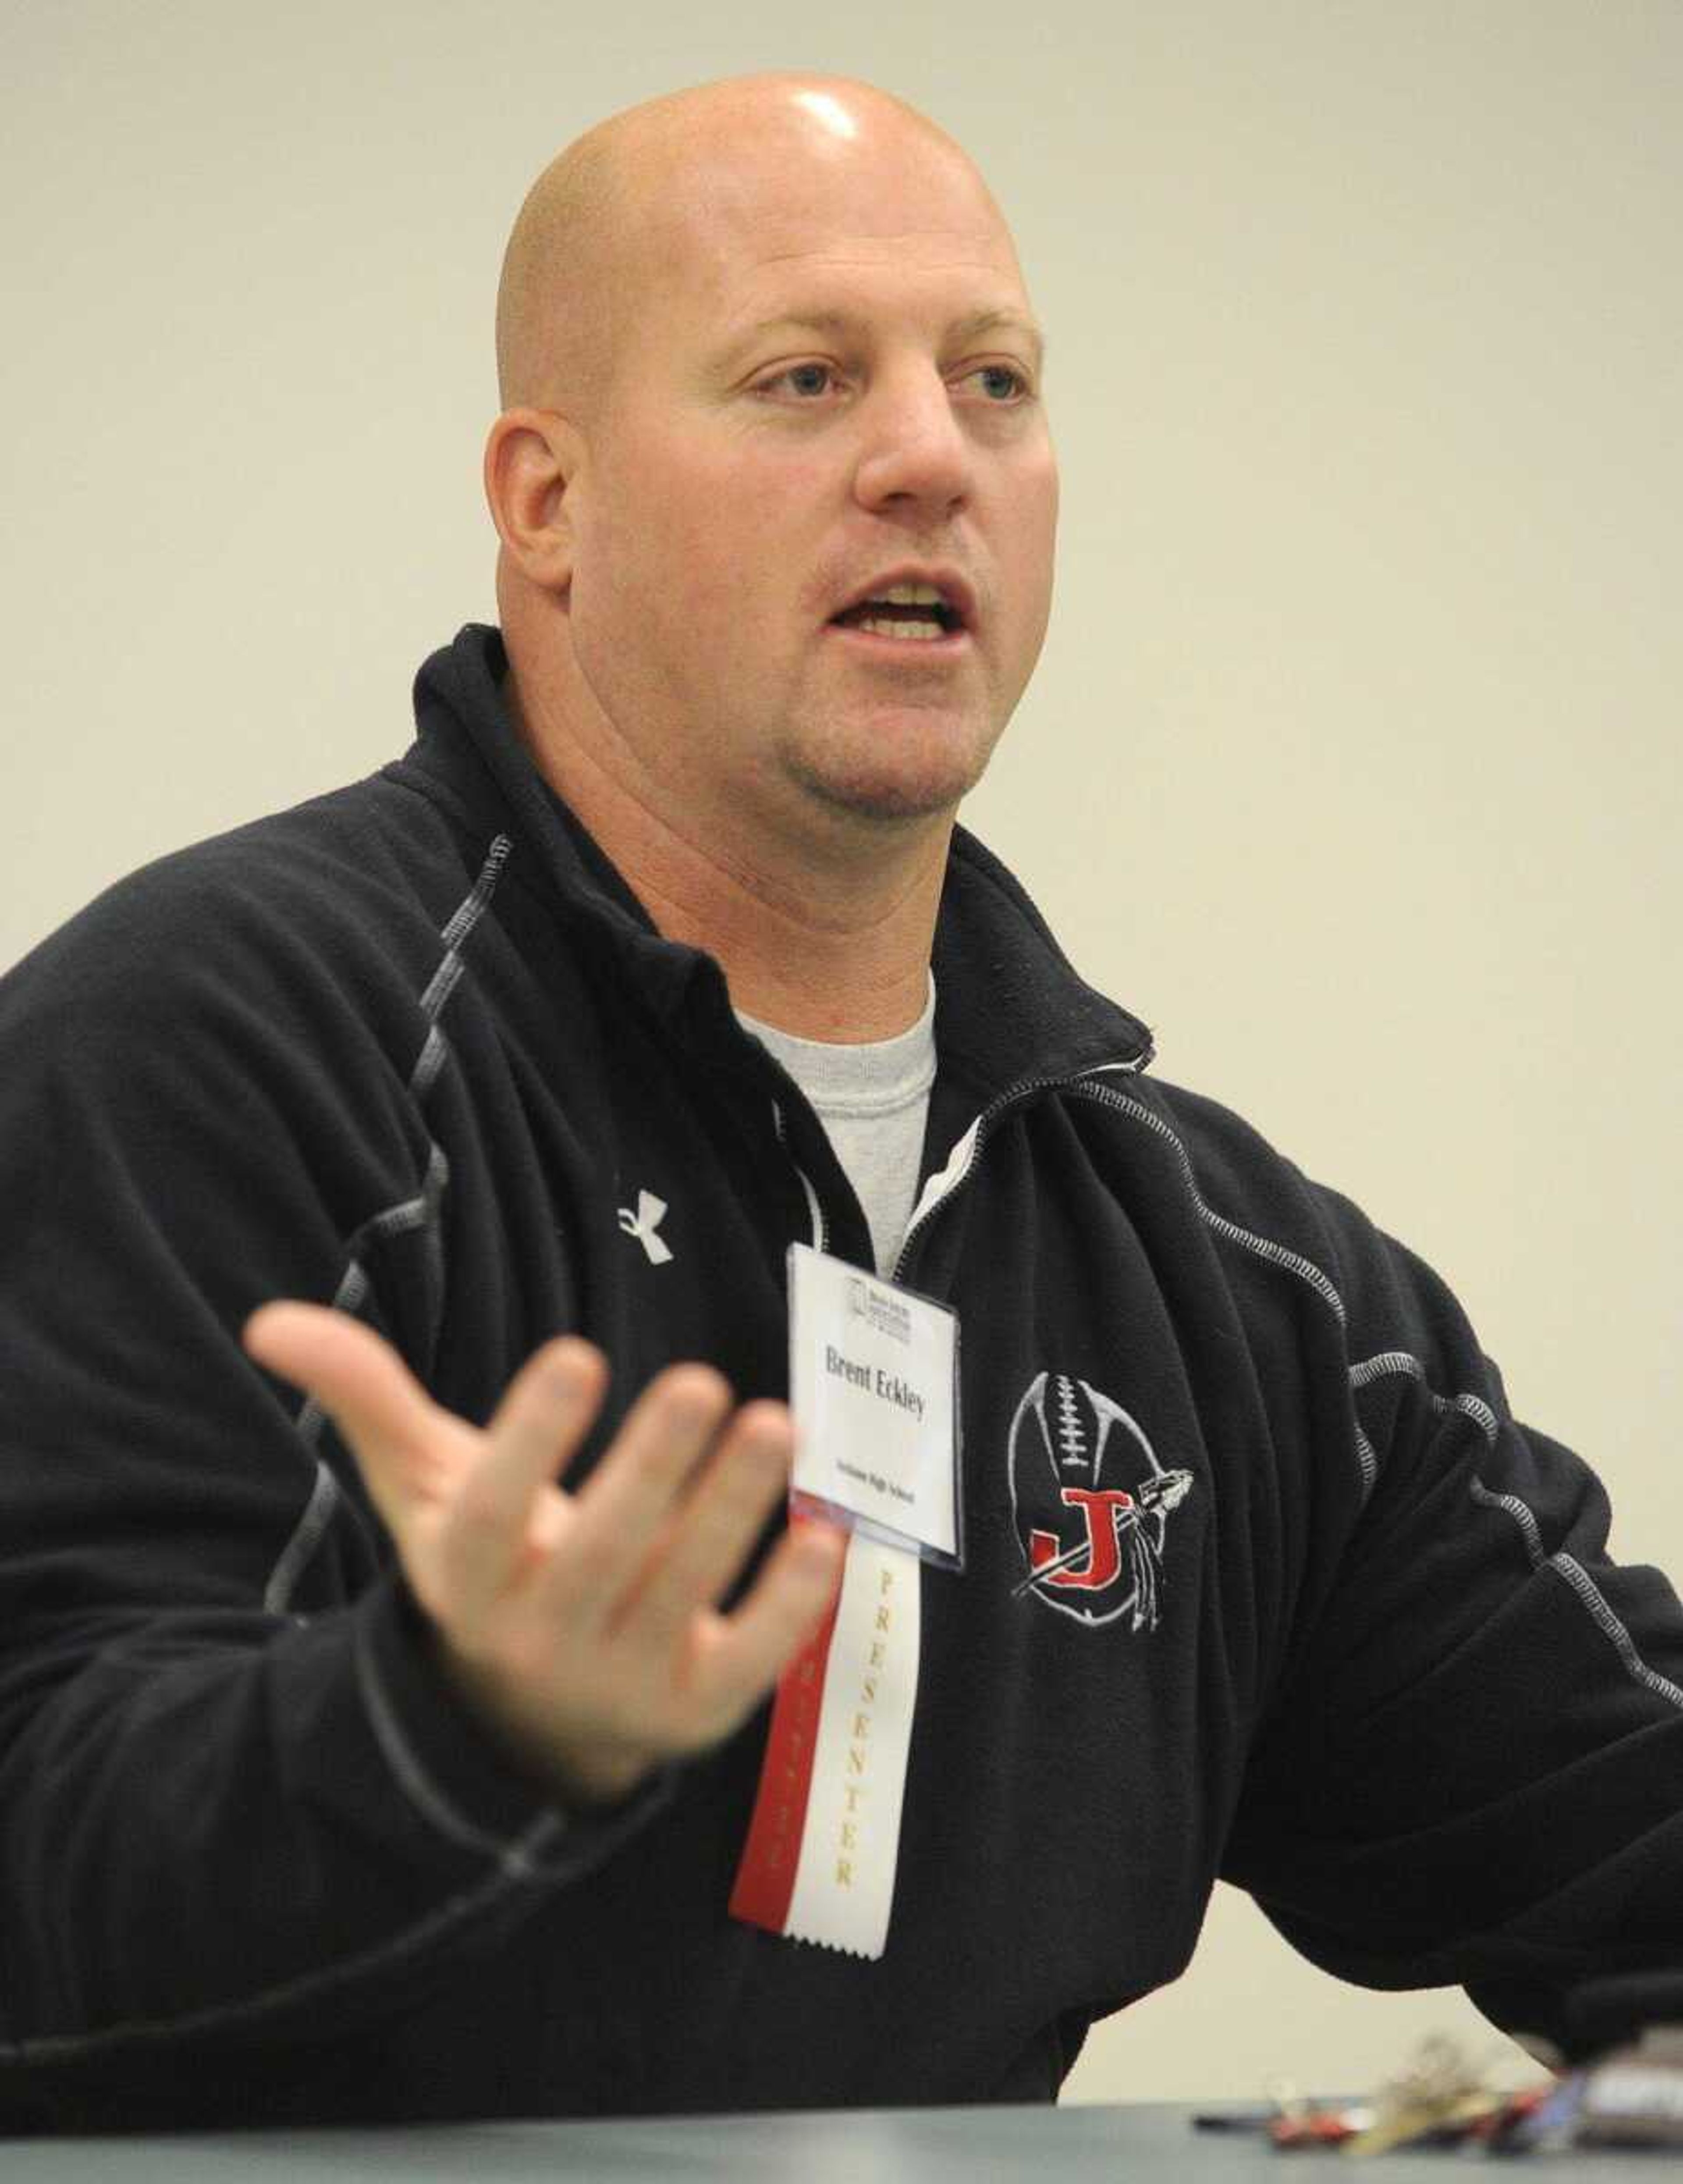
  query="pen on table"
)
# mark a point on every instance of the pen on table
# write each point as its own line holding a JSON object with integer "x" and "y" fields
{"x": 1257, "y": 2118}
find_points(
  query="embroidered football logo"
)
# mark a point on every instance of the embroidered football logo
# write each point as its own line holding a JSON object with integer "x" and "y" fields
{"x": 1092, "y": 1546}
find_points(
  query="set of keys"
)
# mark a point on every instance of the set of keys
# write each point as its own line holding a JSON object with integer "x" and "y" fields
{"x": 1441, "y": 2099}
{"x": 1632, "y": 2096}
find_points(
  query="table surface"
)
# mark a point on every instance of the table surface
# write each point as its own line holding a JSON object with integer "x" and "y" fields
{"x": 1074, "y": 2145}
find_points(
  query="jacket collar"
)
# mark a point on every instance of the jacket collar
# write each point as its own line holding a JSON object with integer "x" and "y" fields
{"x": 1009, "y": 1009}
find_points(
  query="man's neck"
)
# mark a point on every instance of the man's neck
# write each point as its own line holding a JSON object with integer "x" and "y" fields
{"x": 828, "y": 938}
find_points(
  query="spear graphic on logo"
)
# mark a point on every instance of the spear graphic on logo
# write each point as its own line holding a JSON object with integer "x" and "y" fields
{"x": 1157, "y": 1496}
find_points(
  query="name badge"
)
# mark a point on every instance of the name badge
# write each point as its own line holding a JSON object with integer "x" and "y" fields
{"x": 874, "y": 1386}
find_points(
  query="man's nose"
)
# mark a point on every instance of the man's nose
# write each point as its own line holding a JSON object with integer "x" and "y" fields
{"x": 915, "y": 449}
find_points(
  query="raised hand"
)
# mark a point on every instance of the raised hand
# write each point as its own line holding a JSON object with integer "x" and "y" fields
{"x": 582, "y": 1628}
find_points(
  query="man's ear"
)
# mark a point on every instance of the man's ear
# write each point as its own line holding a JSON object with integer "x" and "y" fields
{"x": 531, "y": 458}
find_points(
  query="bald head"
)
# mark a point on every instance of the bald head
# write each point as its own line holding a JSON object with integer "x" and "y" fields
{"x": 762, "y": 342}
{"x": 605, "y": 218}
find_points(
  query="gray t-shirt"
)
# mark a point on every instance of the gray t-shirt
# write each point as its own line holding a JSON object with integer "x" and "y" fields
{"x": 873, "y": 1101}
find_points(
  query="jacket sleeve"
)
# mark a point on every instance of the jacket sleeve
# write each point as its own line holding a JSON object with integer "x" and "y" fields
{"x": 240, "y": 1812}
{"x": 1471, "y": 1769}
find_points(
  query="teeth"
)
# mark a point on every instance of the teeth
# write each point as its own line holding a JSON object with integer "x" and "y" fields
{"x": 911, "y": 595}
{"x": 926, "y": 630}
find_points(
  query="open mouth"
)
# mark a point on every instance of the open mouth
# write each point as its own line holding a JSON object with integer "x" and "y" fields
{"x": 894, "y": 618}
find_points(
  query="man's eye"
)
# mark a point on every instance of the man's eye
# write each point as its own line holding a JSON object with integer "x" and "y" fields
{"x": 1017, "y": 386}
{"x": 805, "y": 373}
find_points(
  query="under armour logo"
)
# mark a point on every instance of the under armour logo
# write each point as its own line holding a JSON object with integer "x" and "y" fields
{"x": 642, "y": 1224}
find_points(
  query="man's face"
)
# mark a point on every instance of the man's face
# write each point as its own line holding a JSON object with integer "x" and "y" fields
{"x": 750, "y": 476}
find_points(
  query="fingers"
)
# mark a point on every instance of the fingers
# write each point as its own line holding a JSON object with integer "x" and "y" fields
{"x": 747, "y": 1650}
{"x": 344, "y": 1364}
{"x": 712, "y": 1531}
{"x": 383, "y": 1413}
{"x": 349, "y": 1369}
{"x": 548, "y": 1409}
{"x": 635, "y": 1560}
{"x": 621, "y": 1507}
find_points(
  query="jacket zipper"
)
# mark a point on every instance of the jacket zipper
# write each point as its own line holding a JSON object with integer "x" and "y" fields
{"x": 944, "y": 1185}
{"x": 820, "y": 1225}
{"x": 940, "y": 1188}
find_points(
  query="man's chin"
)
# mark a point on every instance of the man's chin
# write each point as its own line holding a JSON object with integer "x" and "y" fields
{"x": 885, "y": 803}
{"x": 909, "y": 788}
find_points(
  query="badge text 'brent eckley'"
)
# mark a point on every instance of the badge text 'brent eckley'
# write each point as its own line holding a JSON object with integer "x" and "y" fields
{"x": 889, "y": 1387}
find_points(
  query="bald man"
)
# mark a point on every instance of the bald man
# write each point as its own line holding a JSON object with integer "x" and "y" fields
{"x": 424, "y": 1208}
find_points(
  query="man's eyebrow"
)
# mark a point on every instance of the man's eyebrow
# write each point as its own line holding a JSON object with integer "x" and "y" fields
{"x": 838, "y": 323}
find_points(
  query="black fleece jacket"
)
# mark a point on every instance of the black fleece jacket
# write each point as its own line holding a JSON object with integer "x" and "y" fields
{"x": 412, "y": 1046}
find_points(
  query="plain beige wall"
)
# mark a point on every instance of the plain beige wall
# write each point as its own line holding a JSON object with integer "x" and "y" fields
{"x": 1352, "y": 762}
